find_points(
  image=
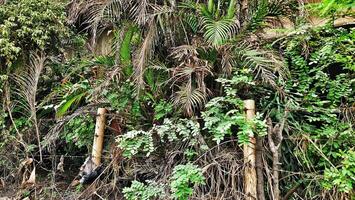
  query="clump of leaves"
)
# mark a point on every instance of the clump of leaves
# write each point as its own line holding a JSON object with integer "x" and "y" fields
{"x": 225, "y": 114}
{"x": 141, "y": 191}
{"x": 342, "y": 177}
{"x": 79, "y": 131}
{"x": 134, "y": 142}
{"x": 184, "y": 178}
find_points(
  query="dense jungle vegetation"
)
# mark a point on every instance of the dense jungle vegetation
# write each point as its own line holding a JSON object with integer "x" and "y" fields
{"x": 173, "y": 78}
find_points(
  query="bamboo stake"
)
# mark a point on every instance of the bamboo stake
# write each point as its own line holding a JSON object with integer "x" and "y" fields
{"x": 250, "y": 181}
{"x": 99, "y": 136}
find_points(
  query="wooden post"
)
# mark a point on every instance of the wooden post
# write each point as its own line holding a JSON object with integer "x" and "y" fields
{"x": 250, "y": 181}
{"x": 99, "y": 136}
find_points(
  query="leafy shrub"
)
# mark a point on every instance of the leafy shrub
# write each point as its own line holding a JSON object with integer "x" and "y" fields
{"x": 224, "y": 113}
{"x": 342, "y": 177}
{"x": 184, "y": 178}
{"x": 182, "y": 129}
{"x": 79, "y": 132}
{"x": 322, "y": 87}
{"x": 30, "y": 24}
{"x": 139, "y": 141}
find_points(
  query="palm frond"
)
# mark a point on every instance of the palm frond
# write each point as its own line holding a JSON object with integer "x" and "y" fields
{"x": 218, "y": 31}
{"x": 267, "y": 66}
{"x": 259, "y": 15}
{"x": 139, "y": 12}
{"x": 192, "y": 21}
{"x": 27, "y": 85}
{"x": 228, "y": 60}
{"x": 170, "y": 23}
{"x": 97, "y": 15}
{"x": 27, "y": 81}
{"x": 145, "y": 52}
{"x": 189, "y": 77}
{"x": 189, "y": 99}
{"x": 267, "y": 9}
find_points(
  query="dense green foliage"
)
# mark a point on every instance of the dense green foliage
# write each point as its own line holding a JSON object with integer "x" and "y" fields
{"x": 140, "y": 191}
{"x": 30, "y": 25}
{"x": 173, "y": 76}
{"x": 183, "y": 177}
{"x": 322, "y": 87}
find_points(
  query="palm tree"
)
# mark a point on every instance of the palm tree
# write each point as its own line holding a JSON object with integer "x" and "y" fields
{"x": 200, "y": 37}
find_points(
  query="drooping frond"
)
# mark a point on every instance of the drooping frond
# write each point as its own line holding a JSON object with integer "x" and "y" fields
{"x": 267, "y": 66}
{"x": 189, "y": 99}
{"x": 189, "y": 77}
{"x": 228, "y": 60}
{"x": 218, "y": 31}
{"x": 27, "y": 82}
{"x": 27, "y": 85}
{"x": 139, "y": 12}
{"x": 190, "y": 66}
{"x": 144, "y": 54}
{"x": 169, "y": 22}
{"x": 97, "y": 15}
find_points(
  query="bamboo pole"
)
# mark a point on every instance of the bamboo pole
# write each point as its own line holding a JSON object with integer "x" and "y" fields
{"x": 250, "y": 181}
{"x": 99, "y": 136}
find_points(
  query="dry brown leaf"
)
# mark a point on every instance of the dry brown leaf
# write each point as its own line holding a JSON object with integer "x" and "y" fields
{"x": 32, "y": 179}
{"x": 2, "y": 183}
{"x": 24, "y": 163}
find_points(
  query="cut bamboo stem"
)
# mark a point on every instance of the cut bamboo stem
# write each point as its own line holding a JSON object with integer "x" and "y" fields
{"x": 250, "y": 181}
{"x": 99, "y": 136}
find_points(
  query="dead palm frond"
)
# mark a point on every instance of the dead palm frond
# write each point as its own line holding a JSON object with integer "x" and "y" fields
{"x": 189, "y": 76}
{"x": 139, "y": 12}
{"x": 97, "y": 15}
{"x": 228, "y": 60}
{"x": 145, "y": 52}
{"x": 27, "y": 85}
{"x": 169, "y": 22}
{"x": 189, "y": 99}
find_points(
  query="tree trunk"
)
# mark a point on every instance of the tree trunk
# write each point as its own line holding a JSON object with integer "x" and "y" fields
{"x": 275, "y": 140}
{"x": 250, "y": 182}
{"x": 99, "y": 136}
{"x": 275, "y": 175}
